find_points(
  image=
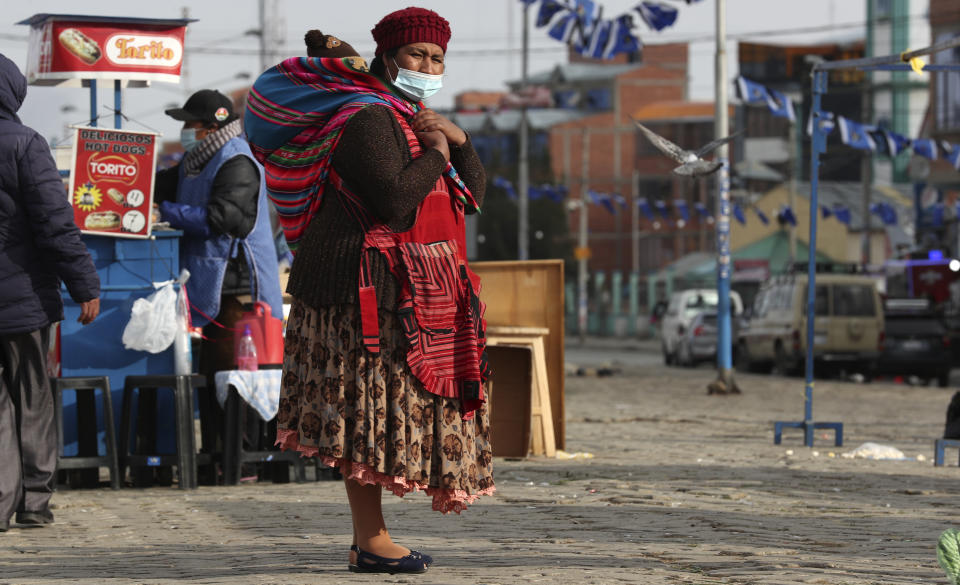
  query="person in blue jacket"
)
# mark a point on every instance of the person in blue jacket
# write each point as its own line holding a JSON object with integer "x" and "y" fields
{"x": 40, "y": 245}
{"x": 217, "y": 196}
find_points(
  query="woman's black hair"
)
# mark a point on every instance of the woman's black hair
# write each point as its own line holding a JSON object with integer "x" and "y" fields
{"x": 377, "y": 66}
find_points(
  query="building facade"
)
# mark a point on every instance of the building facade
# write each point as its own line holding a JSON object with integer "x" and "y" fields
{"x": 898, "y": 99}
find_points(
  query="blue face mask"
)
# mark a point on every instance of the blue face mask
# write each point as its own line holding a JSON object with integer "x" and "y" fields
{"x": 188, "y": 139}
{"x": 415, "y": 85}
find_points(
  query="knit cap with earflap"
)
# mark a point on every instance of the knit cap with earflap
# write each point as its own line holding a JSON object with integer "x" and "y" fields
{"x": 411, "y": 25}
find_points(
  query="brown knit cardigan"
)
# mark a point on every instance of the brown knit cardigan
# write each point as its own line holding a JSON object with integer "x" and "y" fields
{"x": 373, "y": 158}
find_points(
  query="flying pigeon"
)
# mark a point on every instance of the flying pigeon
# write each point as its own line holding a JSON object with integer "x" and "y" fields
{"x": 691, "y": 163}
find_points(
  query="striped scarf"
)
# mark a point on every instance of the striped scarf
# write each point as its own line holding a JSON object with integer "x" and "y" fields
{"x": 196, "y": 159}
{"x": 296, "y": 112}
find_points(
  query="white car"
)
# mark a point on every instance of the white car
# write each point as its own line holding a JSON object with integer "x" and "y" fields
{"x": 683, "y": 307}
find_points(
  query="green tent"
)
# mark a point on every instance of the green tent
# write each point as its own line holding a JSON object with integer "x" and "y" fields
{"x": 775, "y": 248}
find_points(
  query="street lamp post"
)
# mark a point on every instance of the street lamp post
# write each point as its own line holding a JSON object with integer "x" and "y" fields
{"x": 523, "y": 170}
{"x": 724, "y": 382}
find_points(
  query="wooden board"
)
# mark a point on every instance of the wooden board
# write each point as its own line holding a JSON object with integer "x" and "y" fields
{"x": 530, "y": 294}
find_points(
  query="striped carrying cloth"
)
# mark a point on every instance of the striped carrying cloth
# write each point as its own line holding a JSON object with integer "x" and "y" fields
{"x": 296, "y": 112}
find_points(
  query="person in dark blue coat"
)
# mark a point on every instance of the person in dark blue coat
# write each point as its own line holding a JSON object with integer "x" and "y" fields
{"x": 40, "y": 245}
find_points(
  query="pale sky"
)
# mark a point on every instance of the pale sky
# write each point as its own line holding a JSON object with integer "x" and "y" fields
{"x": 483, "y": 53}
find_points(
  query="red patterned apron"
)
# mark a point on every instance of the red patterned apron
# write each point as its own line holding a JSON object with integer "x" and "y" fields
{"x": 438, "y": 305}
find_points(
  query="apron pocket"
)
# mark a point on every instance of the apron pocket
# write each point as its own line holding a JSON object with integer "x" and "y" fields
{"x": 434, "y": 277}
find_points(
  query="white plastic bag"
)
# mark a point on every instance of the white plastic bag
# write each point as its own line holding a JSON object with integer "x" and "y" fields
{"x": 875, "y": 451}
{"x": 153, "y": 321}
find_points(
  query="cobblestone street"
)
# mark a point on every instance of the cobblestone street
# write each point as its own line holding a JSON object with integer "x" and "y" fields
{"x": 683, "y": 488}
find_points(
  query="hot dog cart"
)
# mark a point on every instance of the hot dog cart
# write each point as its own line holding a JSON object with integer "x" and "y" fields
{"x": 111, "y": 189}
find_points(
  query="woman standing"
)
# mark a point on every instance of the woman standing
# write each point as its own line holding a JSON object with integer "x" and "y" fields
{"x": 385, "y": 369}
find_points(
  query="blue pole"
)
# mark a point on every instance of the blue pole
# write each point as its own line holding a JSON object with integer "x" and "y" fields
{"x": 724, "y": 342}
{"x": 117, "y": 104}
{"x": 818, "y": 145}
{"x": 721, "y": 127}
{"x": 93, "y": 102}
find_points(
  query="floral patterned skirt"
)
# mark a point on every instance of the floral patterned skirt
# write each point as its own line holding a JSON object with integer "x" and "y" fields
{"x": 370, "y": 417}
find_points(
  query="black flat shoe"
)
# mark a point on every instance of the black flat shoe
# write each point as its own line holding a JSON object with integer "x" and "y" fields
{"x": 427, "y": 559}
{"x": 371, "y": 563}
{"x": 38, "y": 518}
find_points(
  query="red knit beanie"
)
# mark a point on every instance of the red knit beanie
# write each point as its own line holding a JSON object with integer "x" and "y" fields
{"x": 410, "y": 25}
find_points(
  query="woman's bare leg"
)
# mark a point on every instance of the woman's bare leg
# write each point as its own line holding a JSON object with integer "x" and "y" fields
{"x": 369, "y": 530}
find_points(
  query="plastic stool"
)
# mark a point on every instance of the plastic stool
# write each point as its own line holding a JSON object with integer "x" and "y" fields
{"x": 86, "y": 389}
{"x": 186, "y": 456}
{"x": 234, "y": 453}
{"x": 938, "y": 448}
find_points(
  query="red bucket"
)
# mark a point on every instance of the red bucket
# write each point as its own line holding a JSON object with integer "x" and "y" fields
{"x": 267, "y": 332}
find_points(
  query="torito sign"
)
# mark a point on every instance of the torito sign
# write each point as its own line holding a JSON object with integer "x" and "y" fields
{"x": 68, "y": 47}
{"x": 111, "y": 181}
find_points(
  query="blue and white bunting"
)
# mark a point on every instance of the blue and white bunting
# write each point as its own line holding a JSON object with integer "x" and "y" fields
{"x": 738, "y": 214}
{"x": 548, "y": 10}
{"x": 827, "y": 123}
{"x": 854, "y": 134}
{"x": 506, "y": 185}
{"x": 596, "y": 43}
{"x": 751, "y": 92}
{"x": 619, "y": 200}
{"x": 785, "y": 215}
{"x": 702, "y": 210}
{"x": 825, "y": 212}
{"x": 761, "y": 216}
{"x": 644, "y": 205}
{"x": 886, "y": 213}
{"x": 889, "y": 215}
{"x": 657, "y": 15}
{"x": 924, "y": 147}
{"x": 681, "y": 206}
{"x": 609, "y": 38}
{"x": 879, "y": 138}
{"x": 887, "y": 143}
{"x": 587, "y": 11}
{"x": 897, "y": 143}
{"x": 842, "y": 214}
{"x": 602, "y": 199}
{"x": 578, "y": 23}
{"x": 567, "y": 29}
{"x": 556, "y": 194}
{"x": 622, "y": 39}
{"x": 952, "y": 154}
{"x": 780, "y": 105}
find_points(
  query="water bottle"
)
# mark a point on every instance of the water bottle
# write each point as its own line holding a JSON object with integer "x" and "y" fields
{"x": 246, "y": 351}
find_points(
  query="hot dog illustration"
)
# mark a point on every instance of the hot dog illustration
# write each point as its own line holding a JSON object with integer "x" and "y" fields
{"x": 80, "y": 45}
{"x": 102, "y": 220}
{"x": 117, "y": 196}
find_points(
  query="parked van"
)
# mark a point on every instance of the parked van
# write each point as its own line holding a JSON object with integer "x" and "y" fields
{"x": 683, "y": 307}
{"x": 848, "y": 329}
